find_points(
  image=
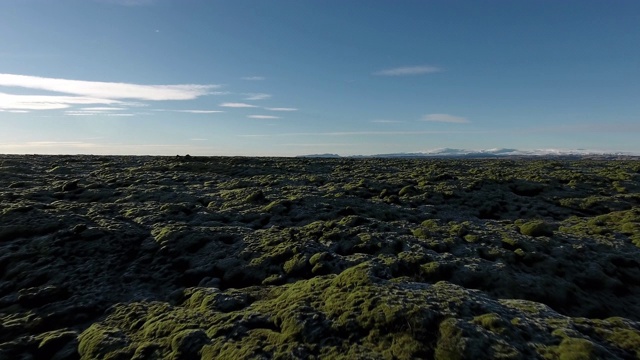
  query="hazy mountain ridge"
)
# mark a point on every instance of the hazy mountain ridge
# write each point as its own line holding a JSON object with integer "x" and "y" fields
{"x": 493, "y": 153}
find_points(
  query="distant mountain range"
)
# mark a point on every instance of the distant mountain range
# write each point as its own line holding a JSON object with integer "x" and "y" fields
{"x": 488, "y": 153}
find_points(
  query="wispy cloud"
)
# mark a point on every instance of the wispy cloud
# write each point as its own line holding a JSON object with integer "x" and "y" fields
{"x": 237, "y": 105}
{"x": 263, "y": 117}
{"x": 83, "y": 113}
{"x": 253, "y": 78}
{"x": 281, "y": 109}
{"x": 192, "y": 111}
{"x": 372, "y": 133}
{"x": 252, "y": 96}
{"x": 48, "y": 102}
{"x": 102, "y": 109}
{"x": 200, "y": 111}
{"x": 15, "y": 111}
{"x": 108, "y": 90}
{"x": 446, "y": 118}
{"x": 95, "y": 113}
{"x": 408, "y": 70}
{"x": 316, "y": 145}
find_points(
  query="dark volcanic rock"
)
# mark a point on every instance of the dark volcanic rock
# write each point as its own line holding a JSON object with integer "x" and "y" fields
{"x": 190, "y": 257}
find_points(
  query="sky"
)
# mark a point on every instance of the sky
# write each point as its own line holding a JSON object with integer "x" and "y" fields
{"x": 294, "y": 77}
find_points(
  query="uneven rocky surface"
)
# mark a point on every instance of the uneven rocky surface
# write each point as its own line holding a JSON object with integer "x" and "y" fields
{"x": 188, "y": 257}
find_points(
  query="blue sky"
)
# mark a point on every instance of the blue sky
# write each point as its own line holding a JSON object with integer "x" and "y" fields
{"x": 291, "y": 77}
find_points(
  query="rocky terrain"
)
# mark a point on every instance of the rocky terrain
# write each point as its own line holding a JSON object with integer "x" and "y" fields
{"x": 296, "y": 258}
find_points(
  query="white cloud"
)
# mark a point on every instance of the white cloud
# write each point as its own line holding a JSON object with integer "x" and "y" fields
{"x": 257, "y": 96}
{"x": 190, "y": 111}
{"x": 108, "y": 90}
{"x": 94, "y": 113}
{"x": 82, "y": 113}
{"x": 199, "y": 139}
{"x": 372, "y": 133}
{"x": 237, "y": 105}
{"x": 408, "y": 70}
{"x": 15, "y": 111}
{"x": 445, "y": 118}
{"x": 317, "y": 145}
{"x": 253, "y": 78}
{"x": 198, "y": 111}
{"x": 282, "y": 109}
{"x": 48, "y": 102}
{"x": 97, "y": 109}
{"x": 263, "y": 117}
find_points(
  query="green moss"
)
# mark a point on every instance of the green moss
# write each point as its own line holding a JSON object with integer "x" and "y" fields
{"x": 98, "y": 341}
{"x": 430, "y": 224}
{"x": 255, "y": 197}
{"x": 576, "y": 349}
{"x": 186, "y": 344}
{"x": 450, "y": 344}
{"x": 278, "y": 207}
{"x": 296, "y": 265}
{"x": 628, "y": 339}
{"x": 491, "y": 322}
{"x": 508, "y": 242}
{"x": 354, "y": 276}
{"x": 618, "y": 332}
{"x": 470, "y": 238}
{"x": 408, "y": 190}
{"x": 435, "y": 271}
{"x": 459, "y": 230}
{"x": 536, "y": 228}
{"x": 421, "y": 233}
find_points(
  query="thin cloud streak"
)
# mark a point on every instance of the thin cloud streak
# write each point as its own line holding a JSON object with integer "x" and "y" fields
{"x": 281, "y": 109}
{"x": 198, "y": 111}
{"x": 263, "y": 117}
{"x": 48, "y": 102}
{"x": 259, "y": 96}
{"x": 103, "y": 109}
{"x": 108, "y": 90}
{"x": 374, "y": 133}
{"x": 316, "y": 145}
{"x": 237, "y": 105}
{"x": 408, "y": 71}
{"x": 254, "y": 78}
{"x": 16, "y": 111}
{"x": 446, "y": 118}
{"x": 190, "y": 111}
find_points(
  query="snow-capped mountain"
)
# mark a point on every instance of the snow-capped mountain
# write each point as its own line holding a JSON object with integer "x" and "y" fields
{"x": 490, "y": 153}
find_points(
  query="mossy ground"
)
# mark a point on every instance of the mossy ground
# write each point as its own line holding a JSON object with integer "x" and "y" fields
{"x": 150, "y": 257}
